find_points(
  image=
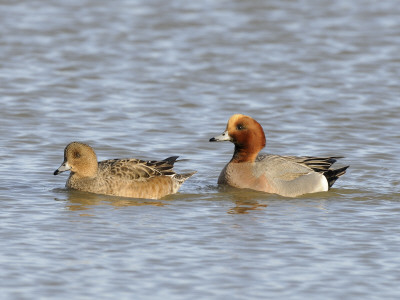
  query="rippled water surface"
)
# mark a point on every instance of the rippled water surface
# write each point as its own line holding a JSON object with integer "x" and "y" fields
{"x": 151, "y": 79}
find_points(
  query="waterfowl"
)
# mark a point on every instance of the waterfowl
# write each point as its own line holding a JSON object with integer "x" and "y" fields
{"x": 120, "y": 177}
{"x": 288, "y": 176}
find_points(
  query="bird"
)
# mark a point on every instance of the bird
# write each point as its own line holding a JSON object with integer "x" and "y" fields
{"x": 288, "y": 176}
{"x": 130, "y": 177}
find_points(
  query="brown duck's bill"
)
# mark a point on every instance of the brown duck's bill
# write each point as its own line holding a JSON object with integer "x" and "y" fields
{"x": 64, "y": 167}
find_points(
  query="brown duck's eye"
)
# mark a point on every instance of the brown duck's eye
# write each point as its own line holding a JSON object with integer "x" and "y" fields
{"x": 240, "y": 127}
{"x": 76, "y": 154}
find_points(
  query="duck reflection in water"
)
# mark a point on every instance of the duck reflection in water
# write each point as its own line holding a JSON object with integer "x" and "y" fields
{"x": 245, "y": 200}
{"x": 78, "y": 200}
{"x": 244, "y": 206}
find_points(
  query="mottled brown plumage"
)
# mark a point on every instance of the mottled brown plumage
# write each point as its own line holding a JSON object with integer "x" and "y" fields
{"x": 120, "y": 177}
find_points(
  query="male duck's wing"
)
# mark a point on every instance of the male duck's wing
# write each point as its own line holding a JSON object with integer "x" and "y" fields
{"x": 297, "y": 164}
{"x": 280, "y": 167}
{"x": 294, "y": 175}
{"x": 290, "y": 176}
{"x": 318, "y": 164}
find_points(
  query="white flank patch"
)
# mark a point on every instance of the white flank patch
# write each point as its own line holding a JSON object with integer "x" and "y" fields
{"x": 324, "y": 183}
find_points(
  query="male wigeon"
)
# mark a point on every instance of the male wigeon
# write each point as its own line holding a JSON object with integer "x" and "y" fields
{"x": 120, "y": 177}
{"x": 288, "y": 176}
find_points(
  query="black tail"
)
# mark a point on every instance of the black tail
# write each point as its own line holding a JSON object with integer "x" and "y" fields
{"x": 333, "y": 175}
{"x": 182, "y": 177}
{"x": 171, "y": 160}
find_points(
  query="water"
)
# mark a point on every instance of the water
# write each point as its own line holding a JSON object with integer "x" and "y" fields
{"x": 151, "y": 79}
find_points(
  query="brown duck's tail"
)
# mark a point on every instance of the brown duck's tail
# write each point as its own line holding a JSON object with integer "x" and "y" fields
{"x": 171, "y": 160}
{"x": 333, "y": 175}
{"x": 181, "y": 178}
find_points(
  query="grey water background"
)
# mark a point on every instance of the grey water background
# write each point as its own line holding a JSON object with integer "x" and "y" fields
{"x": 151, "y": 79}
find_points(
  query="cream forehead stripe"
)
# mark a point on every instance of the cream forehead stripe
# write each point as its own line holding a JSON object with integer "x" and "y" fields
{"x": 236, "y": 117}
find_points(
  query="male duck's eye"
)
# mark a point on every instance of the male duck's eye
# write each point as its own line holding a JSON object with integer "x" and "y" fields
{"x": 240, "y": 127}
{"x": 76, "y": 154}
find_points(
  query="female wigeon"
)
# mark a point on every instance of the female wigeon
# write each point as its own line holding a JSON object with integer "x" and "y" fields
{"x": 120, "y": 177}
{"x": 288, "y": 176}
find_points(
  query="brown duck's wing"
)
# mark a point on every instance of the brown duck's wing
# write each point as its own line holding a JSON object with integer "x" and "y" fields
{"x": 137, "y": 169}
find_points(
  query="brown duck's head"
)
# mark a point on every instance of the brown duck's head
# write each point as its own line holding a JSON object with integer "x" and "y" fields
{"x": 80, "y": 159}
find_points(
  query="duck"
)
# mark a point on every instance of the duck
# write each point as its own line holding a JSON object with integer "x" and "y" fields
{"x": 288, "y": 176}
{"x": 130, "y": 177}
